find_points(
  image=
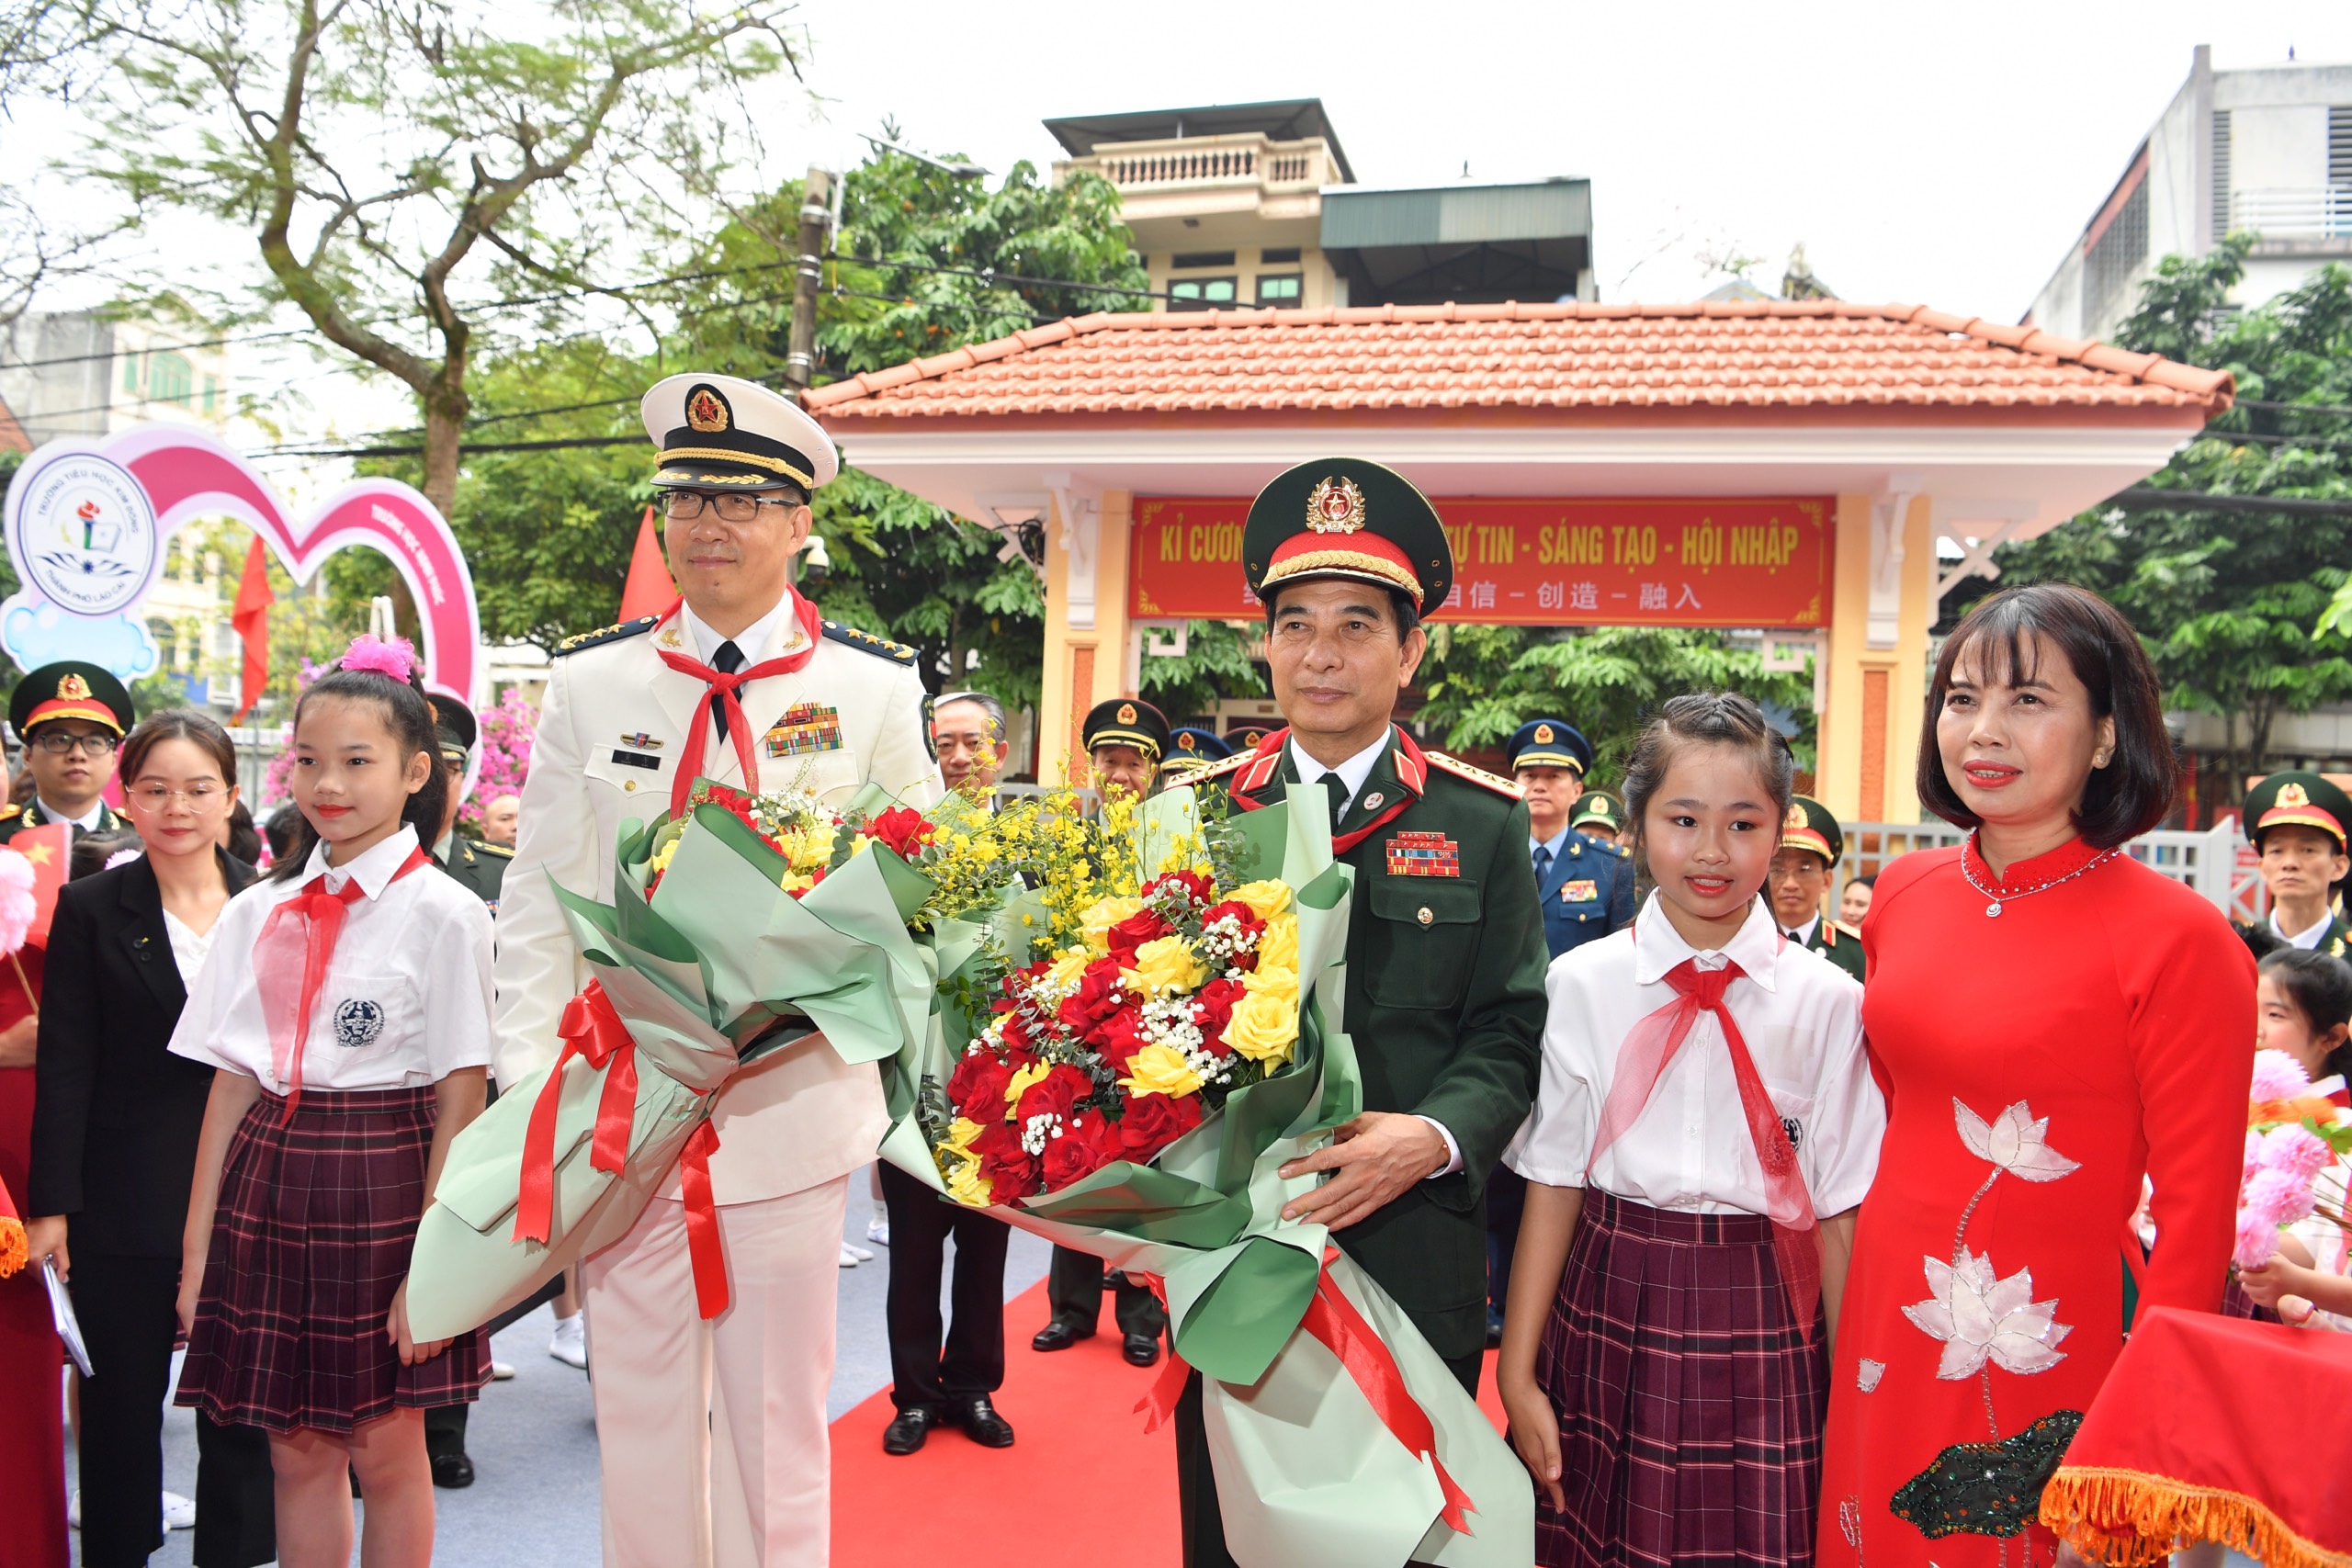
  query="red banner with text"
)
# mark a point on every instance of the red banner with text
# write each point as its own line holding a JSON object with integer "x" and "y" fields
{"x": 1519, "y": 561}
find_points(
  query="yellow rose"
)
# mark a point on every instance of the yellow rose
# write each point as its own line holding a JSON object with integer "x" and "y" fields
{"x": 1022, "y": 1078}
{"x": 964, "y": 1183}
{"x": 960, "y": 1134}
{"x": 1266, "y": 899}
{"x": 1101, "y": 916}
{"x": 796, "y": 882}
{"x": 1160, "y": 1068}
{"x": 1165, "y": 964}
{"x": 664, "y": 856}
{"x": 1068, "y": 969}
{"x": 1278, "y": 944}
{"x": 1264, "y": 1026}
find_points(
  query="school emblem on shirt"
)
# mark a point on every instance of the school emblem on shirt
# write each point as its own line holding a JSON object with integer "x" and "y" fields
{"x": 804, "y": 728}
{"x": 1794, "y": 1129}
{"x": 1423, "y": 854}
{"x": 357, "y": 1022}
{"x": 1580, "y": 892}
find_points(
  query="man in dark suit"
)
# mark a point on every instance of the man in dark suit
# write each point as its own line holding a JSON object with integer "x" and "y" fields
{"x": 1444, "y": 960}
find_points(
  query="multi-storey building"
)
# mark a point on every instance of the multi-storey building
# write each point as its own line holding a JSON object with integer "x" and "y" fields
{"x": 2265, "y": 151}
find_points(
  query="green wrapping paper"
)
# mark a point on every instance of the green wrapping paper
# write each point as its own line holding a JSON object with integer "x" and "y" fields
{"x": 1308, "y": 1476}
{"x": 711, "y": 971}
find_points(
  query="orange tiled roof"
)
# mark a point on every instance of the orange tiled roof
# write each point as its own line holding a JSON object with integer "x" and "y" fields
{"x": 1728, "y": 355}
{"x": 12, "y": 434}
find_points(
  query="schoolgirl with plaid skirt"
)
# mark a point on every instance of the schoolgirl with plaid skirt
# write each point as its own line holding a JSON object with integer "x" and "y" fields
{"x": 347, "y": 1008}
{"x": 1705, "y": 1126}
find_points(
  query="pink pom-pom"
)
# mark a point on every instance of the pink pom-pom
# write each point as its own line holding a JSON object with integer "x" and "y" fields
{"x": 396, "y": 658}
{"x": 2280, "y": 1197}
{"x": 2277, "y": 1076}
{"x": 2297, "y": 1151}
{"x": 2253, "y": 1156}
{"x": 2258, "y": 1238}
{"x": 121, "y": 857}
{"x": 17, "y": 905}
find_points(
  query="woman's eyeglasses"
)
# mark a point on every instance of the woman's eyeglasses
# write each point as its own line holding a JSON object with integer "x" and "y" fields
{"x": 155, "y": 797}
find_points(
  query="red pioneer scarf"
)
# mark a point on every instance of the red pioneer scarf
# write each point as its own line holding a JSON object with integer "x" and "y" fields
{"x": 291, "y": 959}
{"x": 1642, "y": 1059}
{"x": 721, "y": 698}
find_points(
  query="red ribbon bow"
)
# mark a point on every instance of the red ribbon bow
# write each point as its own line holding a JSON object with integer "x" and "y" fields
{"x": 1334, "y": 1323}
{"x": 314, "y": 917}
{"x": 721, "y": 698}
{"x": 1642, "y": 1059}
{"x": 592, "y": 1031}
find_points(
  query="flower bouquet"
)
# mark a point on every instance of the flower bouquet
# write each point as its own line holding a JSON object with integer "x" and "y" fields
{"x": 1127, "y": 1053}
{"x": 2294, "y": 1136}
{"x": 737, "y": 928}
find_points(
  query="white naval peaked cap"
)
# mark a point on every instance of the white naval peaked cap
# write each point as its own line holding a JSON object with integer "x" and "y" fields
{"x": 724, "y": 432}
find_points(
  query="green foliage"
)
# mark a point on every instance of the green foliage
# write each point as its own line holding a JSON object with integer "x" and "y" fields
{"x": 2226, "y": 601}
{"x": 1485, "y": 682}
{"x": 1214, "y": 663}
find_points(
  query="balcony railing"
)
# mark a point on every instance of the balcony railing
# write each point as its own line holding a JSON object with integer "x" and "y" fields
{"x": 2315, "y": 212}
{"x": 1223, "y": 160}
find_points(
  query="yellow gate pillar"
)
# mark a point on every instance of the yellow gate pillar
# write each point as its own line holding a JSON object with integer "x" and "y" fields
{"x": 1086, "y": 615}
{"x": 1882, "y": 608}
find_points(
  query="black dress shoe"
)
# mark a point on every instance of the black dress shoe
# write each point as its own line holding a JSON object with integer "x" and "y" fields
{"x": 452, "y": 1470}
{"x": 1060, "y": 1335}
{"x": 980, "y": 1422}
{"x": 906, "y": 1434}
{"x": 1140, "y": 1349}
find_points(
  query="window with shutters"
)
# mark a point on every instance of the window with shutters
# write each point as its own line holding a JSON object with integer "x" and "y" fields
{"x": 2112, "y": 257}
{"x": 170, "y": 379}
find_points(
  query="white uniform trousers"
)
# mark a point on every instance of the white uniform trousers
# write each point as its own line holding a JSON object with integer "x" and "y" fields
{"x": 714, "y": 1450}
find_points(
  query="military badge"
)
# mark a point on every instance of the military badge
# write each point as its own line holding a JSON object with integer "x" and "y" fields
{"x": 641, "y": 741}
{"x": 804, "y": 728}
{"x": 2289, "y": 794}
{"x": 706, "y": 412}
{"x": 1336, "y": 506}
{"x": 1542, "y": 735}
{"x": 1580, "y": 892}
{"x": 75, "y": 689}
{"x": 1423, "y": 854}
{"x": 1794, "y": 822}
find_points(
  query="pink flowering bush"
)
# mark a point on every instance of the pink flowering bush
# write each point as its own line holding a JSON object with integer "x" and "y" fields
{"x": 505, "y": 750}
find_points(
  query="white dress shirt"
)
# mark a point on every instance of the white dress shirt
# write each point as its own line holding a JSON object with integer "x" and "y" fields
{"x": 707, "y": 639}
{"x": 189, "y": 947}
{"x": 1690, "y": 1149}
{"x": 406, "y": 999}
{"x": 2307, "y": 939}
{"x": 88, "y": 823}
{"x": 1803, "y": 935}
{"x": 1557, "y": 843}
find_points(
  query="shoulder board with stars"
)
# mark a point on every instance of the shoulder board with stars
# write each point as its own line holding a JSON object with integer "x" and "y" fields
{"x": 500, "y": 851}
{"x": 1462, "y": 769}
{"x": 866, "y": 642}
{"x": 11, "y": 813}
{"x": 1221, "y": 768}
{"x": 636, "y": 627}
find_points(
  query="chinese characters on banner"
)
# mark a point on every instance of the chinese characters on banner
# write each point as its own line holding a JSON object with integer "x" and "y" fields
{"x": 1610, "y": 561}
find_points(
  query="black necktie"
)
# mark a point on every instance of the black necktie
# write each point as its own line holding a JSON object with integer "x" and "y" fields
{"x": 1542, "y": 861}
{"x": 1336, "y": 788}
{"x": 1797, "y": 937}
{"x": 727, "y": 660}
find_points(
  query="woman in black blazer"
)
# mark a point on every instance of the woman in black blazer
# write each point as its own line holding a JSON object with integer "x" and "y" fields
{"x": 115, "y": 1118}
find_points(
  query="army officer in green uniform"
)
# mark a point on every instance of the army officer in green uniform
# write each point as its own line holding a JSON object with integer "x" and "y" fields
{"x": 1599, "y": 816}
{"x": 1811, "y": 846}
{"x": 481, "y": 867}
{"x": 2297, "y": 822}
{"x": 69, "y": 717}
{"x": 1445, "y": 945}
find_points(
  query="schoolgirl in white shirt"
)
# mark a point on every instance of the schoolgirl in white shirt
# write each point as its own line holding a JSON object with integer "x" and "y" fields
{"x": 347, "y": 1005}
{"x": 1706, "y": 1127}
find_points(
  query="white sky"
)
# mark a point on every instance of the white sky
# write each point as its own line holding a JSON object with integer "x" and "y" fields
{"x": 1944, "y": 154}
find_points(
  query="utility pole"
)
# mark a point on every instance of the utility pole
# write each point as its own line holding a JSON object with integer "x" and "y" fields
{"x": 816, "y": 217}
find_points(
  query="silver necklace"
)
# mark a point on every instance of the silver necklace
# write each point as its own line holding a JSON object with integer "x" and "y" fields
{"x": 1993, "y": 909}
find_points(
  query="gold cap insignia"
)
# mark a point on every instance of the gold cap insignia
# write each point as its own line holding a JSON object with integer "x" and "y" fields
{"x": 1335, "y": 507}
{"x": 1796, "y": 822}
{"x": 2289, "y": 793}
{"x": 1188, "y": 743}
{"x": 1126, "y": 713}
{"x": 706, "y": 411}
{"x": 1542, "y": 735}
{"x": 74, "y": 688}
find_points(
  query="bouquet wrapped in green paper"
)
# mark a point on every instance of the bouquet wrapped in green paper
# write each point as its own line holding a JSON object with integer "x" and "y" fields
{"x": 735, "y": 930}
{"x": 1124, "y": 1059}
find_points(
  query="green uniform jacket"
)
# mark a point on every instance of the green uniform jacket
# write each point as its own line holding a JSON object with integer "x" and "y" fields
{"x": 1838, "y": 942}
{"x": 2335, "y": 941}
{"x": 481, "y": 867}
{"x": 1445, "y": 1004}
{"x": 29, "y": 816}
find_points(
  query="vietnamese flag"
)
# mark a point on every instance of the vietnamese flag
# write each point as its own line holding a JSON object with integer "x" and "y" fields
{"x": 251, "y": 617}
{"x": 50, "y": 848}
{"x": 649, "y": 590}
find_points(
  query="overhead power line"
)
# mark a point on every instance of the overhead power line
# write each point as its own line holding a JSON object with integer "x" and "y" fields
{"x": 2145, "y": 496}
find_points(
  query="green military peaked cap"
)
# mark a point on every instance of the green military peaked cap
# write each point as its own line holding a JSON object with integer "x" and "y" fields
{"x": 1810, "y": 826}
{"x": 2299, "y": 799}
{"x": 1345, "y": 517}
{"x": 1127, "y": 721}
{"x": 1599, "y": 806}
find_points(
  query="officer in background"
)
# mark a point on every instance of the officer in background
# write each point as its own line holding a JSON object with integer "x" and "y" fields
{"x": 1600, "y": 817}
{"x": 1191, "y": 747}
{"x": 1444, "y": 993}
{"x": 1798, "y": 884}
{"x": 69, "y": 717}
{"x": 2296, "y": 821}
{"x": 1245, "y": 737}
{"x": 480, "y": 865}
{"x": 1587, "y": 886}
{"x": 1125, "y": 739}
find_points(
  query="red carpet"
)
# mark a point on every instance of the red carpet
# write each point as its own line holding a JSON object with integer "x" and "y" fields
{"x": 1082, "y": 1472}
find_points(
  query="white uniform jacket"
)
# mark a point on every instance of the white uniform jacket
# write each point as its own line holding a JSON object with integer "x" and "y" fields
{"x": 611, "y": 732}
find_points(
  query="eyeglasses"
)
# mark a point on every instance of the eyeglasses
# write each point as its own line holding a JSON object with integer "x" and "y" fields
{"x": 57, "y": 743}
{"x": 686, "y": 505}
{"x": 155, "y": 797}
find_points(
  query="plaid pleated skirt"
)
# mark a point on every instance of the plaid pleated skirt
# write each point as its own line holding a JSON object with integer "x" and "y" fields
{"x": 309, "y": 1240}
{"x": 1691, "y": 1403}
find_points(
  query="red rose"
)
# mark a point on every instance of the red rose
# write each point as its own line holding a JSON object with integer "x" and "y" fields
{"x": 1188, "y": 885}
{"x": 903, "y": 830}
{"x": 1243, "y": 917}
{"x": 1086, "y": 1145}
{"x": 977, "y": 1087}
{"x": 1213, "y": 1009}
{"x": 1118, "y": 1037}
{"x": 1053, "y": 1095}
{"x": 1095, "y": 998}
{"x": 1143, "y": 926}
{"x": 1010, "y": 1171}
{"x": 1151, "y": 1121}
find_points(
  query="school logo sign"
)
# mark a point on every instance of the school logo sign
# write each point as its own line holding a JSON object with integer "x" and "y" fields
{"x": 85, "y": 534}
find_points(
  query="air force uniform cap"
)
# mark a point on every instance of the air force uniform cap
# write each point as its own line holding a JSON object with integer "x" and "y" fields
{"x": 1548, "y": 743}
{"x": 722, "y": 433}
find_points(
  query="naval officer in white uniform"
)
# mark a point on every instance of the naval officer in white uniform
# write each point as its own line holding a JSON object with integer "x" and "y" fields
{"x": 713, "y": 1438}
